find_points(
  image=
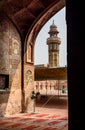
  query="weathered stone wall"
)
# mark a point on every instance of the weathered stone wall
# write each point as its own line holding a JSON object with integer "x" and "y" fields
{"x": 10, "y": 64}
{"x": 28, "y": 86}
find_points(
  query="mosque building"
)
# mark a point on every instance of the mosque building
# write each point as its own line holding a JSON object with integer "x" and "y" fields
{"x": 18, "y": 77}
{"x": 51, "y": 77}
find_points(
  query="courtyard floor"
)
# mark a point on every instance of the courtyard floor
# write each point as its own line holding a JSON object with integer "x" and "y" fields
{"x": 51, "y": 113}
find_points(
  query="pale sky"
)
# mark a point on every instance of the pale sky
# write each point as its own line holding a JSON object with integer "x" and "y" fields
{"x": 41, "y": 47}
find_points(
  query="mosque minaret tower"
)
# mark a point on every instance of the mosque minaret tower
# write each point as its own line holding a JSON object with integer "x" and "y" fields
{"x": 53, "y": 43}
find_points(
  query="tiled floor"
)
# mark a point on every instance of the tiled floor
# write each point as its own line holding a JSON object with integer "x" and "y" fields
{"x": 52, "y": 115}
{"x": 37, "y": 121}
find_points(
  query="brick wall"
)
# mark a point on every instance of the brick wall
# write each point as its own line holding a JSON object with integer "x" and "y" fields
{"x": 10, "y": 64}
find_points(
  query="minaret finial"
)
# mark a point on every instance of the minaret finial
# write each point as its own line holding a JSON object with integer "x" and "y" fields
{"x": 53, "y": 21}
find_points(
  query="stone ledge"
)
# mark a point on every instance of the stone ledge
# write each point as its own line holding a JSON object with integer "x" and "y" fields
{"x": 4, "y": 91}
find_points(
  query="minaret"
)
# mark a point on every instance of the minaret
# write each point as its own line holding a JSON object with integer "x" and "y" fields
{"x": 53, "y": 43}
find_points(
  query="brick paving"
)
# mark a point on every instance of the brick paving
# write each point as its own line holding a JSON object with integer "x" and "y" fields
{"x": 52, "y": 116}
{"x": 53, "y": 105}
{"x": 38, "y": 121}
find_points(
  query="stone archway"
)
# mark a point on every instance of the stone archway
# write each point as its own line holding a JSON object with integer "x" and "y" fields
{"x": 28, "y": 19}
{"x": 30, "y": 42}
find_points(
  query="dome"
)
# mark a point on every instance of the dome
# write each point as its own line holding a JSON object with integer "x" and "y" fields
{"x": 53, "y": 28}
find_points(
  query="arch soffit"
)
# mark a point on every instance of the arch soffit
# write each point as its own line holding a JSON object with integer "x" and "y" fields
{"x": 40, "y": 22}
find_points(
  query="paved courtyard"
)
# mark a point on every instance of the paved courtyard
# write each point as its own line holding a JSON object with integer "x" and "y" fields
{"x": 53, "y": 105}
{"x": 51, "y": 113}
